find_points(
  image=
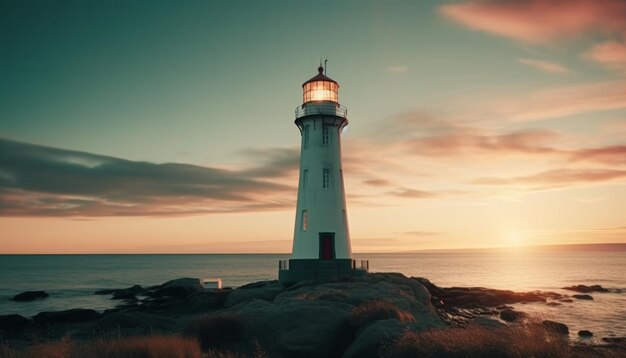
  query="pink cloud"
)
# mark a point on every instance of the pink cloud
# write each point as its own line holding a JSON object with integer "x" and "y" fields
{"x": 544, "y": 66}
{"x": 563, "y": 101}
{"x": 557, "y": 178}
{"x": 611, "y": 155}
{"x": 540, "y": 21}
{"x": 475, "y": 141}
{"x": 611, "y": 54}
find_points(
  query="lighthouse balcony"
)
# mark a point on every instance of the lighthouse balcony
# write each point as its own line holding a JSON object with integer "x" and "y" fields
{"x": 321, "y": 108}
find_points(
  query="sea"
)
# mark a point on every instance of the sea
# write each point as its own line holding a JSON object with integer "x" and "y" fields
{"x": 72, "y": 279}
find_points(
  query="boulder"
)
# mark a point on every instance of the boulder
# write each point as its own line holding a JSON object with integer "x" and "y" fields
{"x": 371, "y": 340}
{"x": 585, "y": 333}
{"x": 207, "y": 300}
{"x": 30, "y": 296}
{"x": 181, "y": 287}
{"x": 556, "y": 327}
{"x": 583, "y": 297}
{"x": 13, "y": 322}
{"x": 586, "y": 289}
{"x": 69, "y": 316}
{"x": 511, "y": 316}
{"x": 128, "y": 293}
{"x": 618, "y": 340}
{"x": 265, "y": 290}
{"x": 293, "y": 328}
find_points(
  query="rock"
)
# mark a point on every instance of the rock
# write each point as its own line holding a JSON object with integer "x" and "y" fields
{"x": 69, "y": 316}
{"x": 207, "y": 300}
{"x": 582, "y": 297}
{"x": 181, "y": 287}
{"x": 140, "y": 320}
{"x": 511, "y": 316}
{"x": 568, "y": 300}
{"x": 30, "y": 296}
{"x": 480, "y": 297}
{"x": 487, "y": 323}
{"x": 556, "y": 327}
{"x": 128, "y": 293}
{"x": 585, "y": 333}
{"x": 504, "y": 307}
{"x": 293, "y": 328}
{"x": 265, "y": 290}
{"x": 13, "y": 322}
{"x": 617, "y": 340}
{"x": 586, "y": 289}
{"x": 375, "y": 337}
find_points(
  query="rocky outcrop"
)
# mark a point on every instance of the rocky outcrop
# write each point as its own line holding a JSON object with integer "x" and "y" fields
{"x": 586, "y": 289}
{"x": 319, "y": 319}
{"x": 556, "y": 327}
{"x": 13, "y": 322}
{"x": 583, "y": 297}
{"x": 181, "y": 287}
{"x": 264, "y": 290}
{"x": 473, "y": 297}
{"x": 585, "y": 333}
{"x": 511, "y": 315}
{"x": 30, "y": 296}
{"x": 69, "y": 316}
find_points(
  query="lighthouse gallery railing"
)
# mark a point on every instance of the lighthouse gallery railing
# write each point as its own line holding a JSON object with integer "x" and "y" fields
{"x": 330, "y": 108}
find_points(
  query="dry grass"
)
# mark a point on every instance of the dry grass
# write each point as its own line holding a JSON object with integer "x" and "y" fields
{"x": 132, "y": 347}
{"x": 509, "y": 342}
{"x": 376, "y": 310}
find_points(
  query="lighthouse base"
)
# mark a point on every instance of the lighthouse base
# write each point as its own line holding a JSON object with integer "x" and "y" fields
{"x": 318, "y": 270}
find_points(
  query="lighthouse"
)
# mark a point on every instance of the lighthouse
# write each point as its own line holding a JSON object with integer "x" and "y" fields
{"x": 321, "y": 240}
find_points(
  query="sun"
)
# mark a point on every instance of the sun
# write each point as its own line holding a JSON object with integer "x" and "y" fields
{"x": 513, "y": 239}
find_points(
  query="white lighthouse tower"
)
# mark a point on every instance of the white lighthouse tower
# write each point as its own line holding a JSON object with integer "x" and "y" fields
{"x": 321, "y": 240}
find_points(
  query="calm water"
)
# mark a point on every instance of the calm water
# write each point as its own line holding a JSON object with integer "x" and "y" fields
{"x": 72, "y": 279}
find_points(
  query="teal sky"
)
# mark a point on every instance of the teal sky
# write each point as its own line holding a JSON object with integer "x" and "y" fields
{"x": 475, "y": 103}
{"x": 199, "y": 81}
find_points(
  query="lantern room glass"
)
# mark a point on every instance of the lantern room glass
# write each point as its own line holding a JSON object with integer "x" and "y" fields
{"x": 321, "y": 91}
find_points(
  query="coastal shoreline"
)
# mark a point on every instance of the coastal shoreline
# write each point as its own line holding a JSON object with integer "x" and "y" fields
{"x": 304, "y": 318}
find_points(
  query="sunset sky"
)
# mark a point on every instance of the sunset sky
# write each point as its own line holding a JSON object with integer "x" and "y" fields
{"x": 167, "y": 127}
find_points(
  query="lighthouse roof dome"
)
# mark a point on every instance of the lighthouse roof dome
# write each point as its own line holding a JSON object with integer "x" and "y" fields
{"x": 319, "y": 77}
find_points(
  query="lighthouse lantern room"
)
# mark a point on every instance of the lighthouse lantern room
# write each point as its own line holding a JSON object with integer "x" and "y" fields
{"x": 321, "y": 242}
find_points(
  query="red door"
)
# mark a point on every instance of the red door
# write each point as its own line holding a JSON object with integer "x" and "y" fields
{"x": 327, "y": 246}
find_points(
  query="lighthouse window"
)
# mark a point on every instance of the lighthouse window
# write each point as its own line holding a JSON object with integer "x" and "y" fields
{"x": 326, "y": 178}
{"x": 325, "y": 135}
{"x": 306, "y": 136}
{"x": 305, "y": 220}
{"x": 305, "y": 178}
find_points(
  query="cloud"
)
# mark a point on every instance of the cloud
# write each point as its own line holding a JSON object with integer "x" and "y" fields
{"x": 377, "y": 182}
{"x": 420, "y": 233}
{"x": 540, "y": 21}
{"x": 615, "y": 154}
{"x": 413, "y": 193}
{"x": 43, "y": 181}
{"x": 397, "y": 69}
{"x": 471, "y": 141}
{"x": 563, "y": 101}
{"x": 611, "y": 54}
{"x": 273, "y": 162}
{"x": 544, "y": 66}
{"x": 556, "y": 178}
